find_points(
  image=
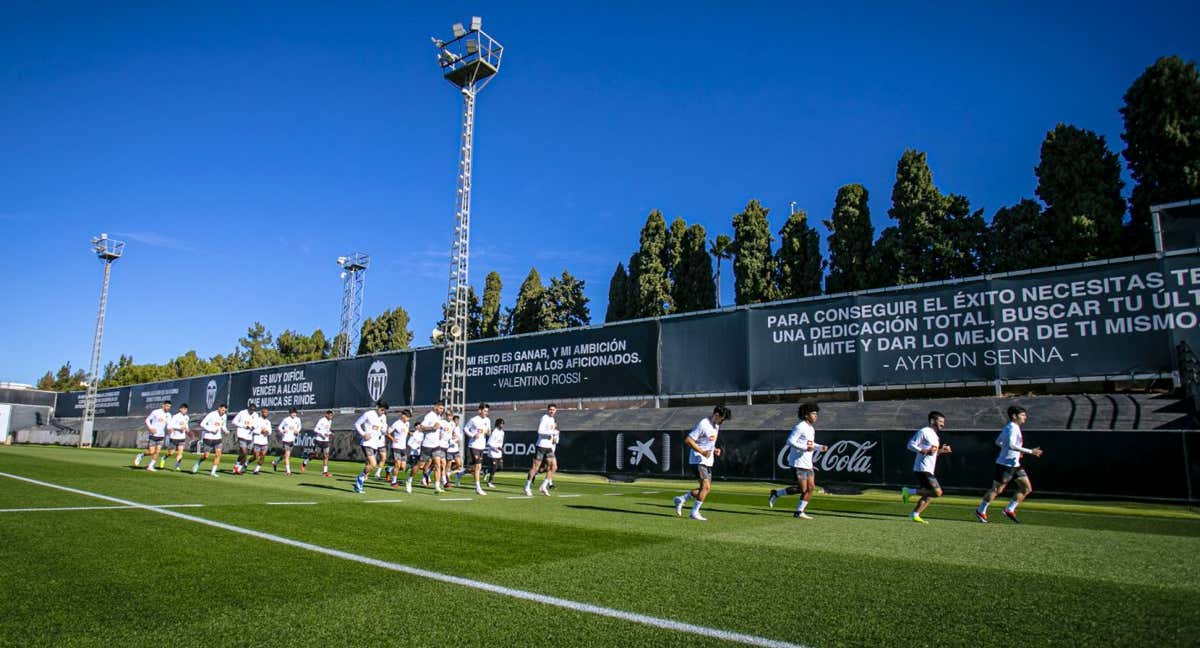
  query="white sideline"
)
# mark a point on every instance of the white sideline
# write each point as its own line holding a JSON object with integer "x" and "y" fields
{"x": 95, "y": 508}
{"x": 291, "y": 503}
{"x": 633, "y": 617}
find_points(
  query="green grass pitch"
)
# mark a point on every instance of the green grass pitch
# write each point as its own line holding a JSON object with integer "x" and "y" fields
{"x": 859, "y": 574}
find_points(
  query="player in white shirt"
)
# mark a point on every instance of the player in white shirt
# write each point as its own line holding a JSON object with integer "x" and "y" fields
{"x": 397, "y": 436}
{"x": 177, "y": 431}
{"x": 802, "y": 444}
{"x": 244, "y": 423}
{"x": 547, "y": 443}
{"x": 262, "y": 439}
{"x": 927, "y": 443}
{"x": 156, "y": 427}
{"x": 430, "y": 428}
{"x": 212, "y": 432}
{"x": 454, "y": 462}
{"x": 1008, "y": 466}
{"x": 495, "y": 451}
{"x": 415, "y": 437}
{"x": 289, "y": 430}
{"x": 322, "y": 437}
{"x": 475, "y": 433}
{"x": 703, "y": 442}
{"x": 370, "y": 428}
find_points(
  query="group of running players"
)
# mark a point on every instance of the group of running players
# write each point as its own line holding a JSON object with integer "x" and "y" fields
{"x": 432, "y": 448}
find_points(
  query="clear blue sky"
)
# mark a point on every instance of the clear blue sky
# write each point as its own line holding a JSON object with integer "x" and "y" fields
{"x": 241, "y": 147}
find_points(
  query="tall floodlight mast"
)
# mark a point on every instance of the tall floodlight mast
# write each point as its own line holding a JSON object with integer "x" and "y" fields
{"x": 469, "y": 61}
{"x": 107, "y": 250}
{"x": 354, "y": 275}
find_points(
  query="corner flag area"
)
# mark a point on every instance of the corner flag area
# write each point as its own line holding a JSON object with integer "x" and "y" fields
{"x": 97, "y": 553}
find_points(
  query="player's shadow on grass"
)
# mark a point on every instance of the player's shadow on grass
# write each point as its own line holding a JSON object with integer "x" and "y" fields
{"x": 585, "y": 507}
{"x": 671, "y": 507}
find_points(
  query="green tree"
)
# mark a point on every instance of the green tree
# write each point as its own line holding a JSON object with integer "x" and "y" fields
{"x": 257, "y": 347}
{"x": 46, "y": 382}
{"x": 650, "y": 286}
{"x": 721, "y": 249}
{"x": 938, "y": 236}
{"x": 490, "y": 315}
{"x": 188, "y": 365}
{"x": 529, "y": 314}
{"x": 673, "y": 256}
{"x": 388, "y": 332}
{"x": 1017, "y": 238}
{"x": 618, "y": 296}
{"x": 798, "y": 263}
{"x": 850, "y": 237}
{"x": 753, "y": 276}
{"x": 694, "y": 288}
{"x": 1162, "y": 140}
{"x": 296, "y": 347}
{"x": 964, "y": 239}
{"x": 341, "y": 340}
{"x": 474, "y": 318}
{"x": 1079, "y": 180}
{"x": 566, "y": 304}
{"x": 886, "y": 259}
{"x": 63, "y": 380}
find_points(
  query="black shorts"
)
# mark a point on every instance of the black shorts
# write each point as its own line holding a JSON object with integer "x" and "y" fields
{"x": 927, "y": 481}
{"x": 399, "y": 454}
{"x": 210, "y": 445}
{"x": 544, "y": 454}
{"x": 287, "y": 445}
{"x": 1004, "y": 474}
{"x": 156, "y": 441}
{"x": 702, "y": 472}
{"x": 476, "y": 457}
{"x": 373, "y": 453}
{"x": 414, "y": 457}
{"x": 322, "y": 446}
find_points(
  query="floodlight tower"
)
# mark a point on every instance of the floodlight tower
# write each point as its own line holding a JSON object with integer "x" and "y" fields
{"x": 469, "y": 60}
{"x": 107, "y": 250}
{"x": 354, "y": 270}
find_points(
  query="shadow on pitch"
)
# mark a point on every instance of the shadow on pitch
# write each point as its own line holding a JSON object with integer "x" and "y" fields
{"x": 687, "y": 507}
{"x": 585, "y": 507}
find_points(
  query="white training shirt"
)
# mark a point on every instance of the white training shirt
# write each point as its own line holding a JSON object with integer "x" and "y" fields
{"x": 495, "y": 443}
{"x": 322, "y": 429}
{"x": 444, "y": 433}
{"x": 399, "y": 431}
{"x": 705, "y": 436}
{"x": 547, "y": 432}
{"x": 177, "y": 426}
{"x": 245, "y": 422}
{"x": 477, "y": 429}
{"x": 924, "y": 439}
{"x": 157, "y": 422}
{"x": 799, "y": 456}
{"x": 452, "y": 442}
{"x": 370, "y": 427}
{"x": 1010, "y": 441}
{"x": 262, "y": 431}
{"x": 415, "y": 437}
{"x": 213, "y": 425}
{"x": 433, "y": 437}
{"x": 289, "y": 428}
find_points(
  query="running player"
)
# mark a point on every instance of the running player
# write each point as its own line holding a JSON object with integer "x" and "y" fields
{"x": 261, "y": 439}
{"x": 476, "y": 432}
{"x": 244, "y": 423}
{"x": 928, "y": 445}
{"x": 398, "y": 439}
{"x": 415, "y": 437}
{"x": 156, "y": 425}
{"x": 213, "y": 431}
{"x": 703, "y": 442}
{"x": 370, "y": 427}
{"x": 454, "y": 462}
{"x": 1008, "y": 466}
{"x": 802, "y": 443}
{"x": 289, "y": 429}
{"x": 177, "y": 430}
{"x": 495, "y": 451}
{"x": 547, "y": 442}
{"x": 430, "y": 429}
{"x": 322, "y": 434}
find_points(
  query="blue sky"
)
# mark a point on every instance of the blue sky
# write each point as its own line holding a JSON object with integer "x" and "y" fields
{"x": 240, "y": 148}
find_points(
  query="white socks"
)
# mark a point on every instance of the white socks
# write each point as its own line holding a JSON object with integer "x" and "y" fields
{"x": 1012, "y": 506}
{"x": 696, "y": 507}
{"x": 803, "y": 505}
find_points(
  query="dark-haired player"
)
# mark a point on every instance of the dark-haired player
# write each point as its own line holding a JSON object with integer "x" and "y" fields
{"x": 370, "y": 427}
{"x": 703, "y": 442}
{"x": 398, "y": 440}
{"x": 802, "y": 442}
{"x": 177, "y": 431}
{"x": 212, "y": 433}
{"x": 928, "y": 445}
{"x": 156, "y": 427}
{"x": 322, "y": 437}
{"x": 476, "y": 431}
{"x": 288, "y": 430}
{"x": 1008, "y": 466}
{"x": 547, "y": 442}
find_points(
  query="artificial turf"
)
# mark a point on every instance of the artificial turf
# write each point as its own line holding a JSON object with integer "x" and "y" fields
{"x": 859, "y": 574}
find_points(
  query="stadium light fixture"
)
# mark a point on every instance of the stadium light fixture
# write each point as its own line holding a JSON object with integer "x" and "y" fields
{"x": 459, "y": 32}
{"x": 107, "y": 250}
{"x": 353, "y": 276}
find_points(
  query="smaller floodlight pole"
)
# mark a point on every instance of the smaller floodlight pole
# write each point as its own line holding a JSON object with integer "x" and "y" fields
{"x": 354, "y": 270}
{"x": 107, "y": 250}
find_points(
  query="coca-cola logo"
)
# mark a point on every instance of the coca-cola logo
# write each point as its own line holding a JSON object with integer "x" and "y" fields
{"x": 842, "y": 456}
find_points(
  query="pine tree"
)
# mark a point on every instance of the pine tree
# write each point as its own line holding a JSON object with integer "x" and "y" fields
{"x": 753, "y": 277}
{"x": 618, "y": 296}
{"x": 850, "y": 237}
{"x": 566, "y": 304}
{"x": 1162, "y": 138}
{"x": 937, "y": 236}
{"x": 257, "y": 348}
{"x": 528, "y": 315}
{"x": 798, "y": 263}
{"x": 1017, "y": 238}
{"x": 1079, "y": 179}
{"x": 491, "y": 305}
{"x": 886, "y": 260}
{"x": 673, "y": 256}
{"x": 721, "y": 249}
{"x": 650, "y": 287}
{"x": 388, "y": 332}
{"x": 694, "y": 288}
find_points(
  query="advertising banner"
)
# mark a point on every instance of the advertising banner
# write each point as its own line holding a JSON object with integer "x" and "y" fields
{"x": 201, "y": 394}
{"x": 808, "y": 344}
{"x": 306, "y": 386}
{"x": 109, "y": 402}
{"x": 363, "y": 381}
{"x": 705, "y": 354}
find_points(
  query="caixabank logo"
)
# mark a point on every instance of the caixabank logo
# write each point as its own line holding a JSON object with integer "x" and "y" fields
{"x": 643, "y": 452}
{"x": 377, "y": 376}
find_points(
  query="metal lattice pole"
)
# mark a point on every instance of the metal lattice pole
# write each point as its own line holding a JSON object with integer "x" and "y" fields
{"x": 354, "y": 270}
{"x": 107, "y": 250}
{"x": 469, "y": 61}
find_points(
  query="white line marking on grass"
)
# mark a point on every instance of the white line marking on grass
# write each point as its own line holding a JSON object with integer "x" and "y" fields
{"x": 95, "y": 508}
{"x": 291, "y": 503}
{"x": 566, "y": 496}
{"x": 455, "y": 499}
{"x": 382, "y": 501}
{"x": 576, "y": 606}
{"x": 519, "y": 497}
{"x": 613, "y": 494}
{"x": 650, "y": 492}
